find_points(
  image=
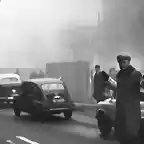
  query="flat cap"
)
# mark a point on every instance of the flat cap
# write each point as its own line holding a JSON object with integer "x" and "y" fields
{"x": 123, "y": 57}
{"x": 97, "y": 66}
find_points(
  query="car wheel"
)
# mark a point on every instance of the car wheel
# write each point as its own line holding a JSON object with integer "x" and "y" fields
{"x": 17, "y": 112}
{"x": 68, "y": 115}
{"x": 104, "y": 129}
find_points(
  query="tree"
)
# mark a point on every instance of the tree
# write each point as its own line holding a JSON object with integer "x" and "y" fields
{"x": 33, "y": 75}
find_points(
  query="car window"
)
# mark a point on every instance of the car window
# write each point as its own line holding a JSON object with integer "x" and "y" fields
{"x": 8, "y": 80}
{"x": 53, "y": 86}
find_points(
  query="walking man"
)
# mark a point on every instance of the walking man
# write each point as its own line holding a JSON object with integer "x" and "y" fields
{"x": 99, "y": 85}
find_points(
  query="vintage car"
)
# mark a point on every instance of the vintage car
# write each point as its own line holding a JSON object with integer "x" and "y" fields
{"x": 9, "y": 87}
{"x": 105, "y": 115}
{"x": 43, "y": 97}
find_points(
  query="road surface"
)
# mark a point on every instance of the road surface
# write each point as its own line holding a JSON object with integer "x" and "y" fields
{"x": 25, "y": 130}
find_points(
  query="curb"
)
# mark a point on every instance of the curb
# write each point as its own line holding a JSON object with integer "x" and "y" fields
{"x": 86, "y": 109}
{"x": 85, "y": 119}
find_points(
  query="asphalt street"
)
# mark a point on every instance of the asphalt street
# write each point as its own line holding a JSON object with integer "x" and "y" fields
{"x": 25, "y": 130}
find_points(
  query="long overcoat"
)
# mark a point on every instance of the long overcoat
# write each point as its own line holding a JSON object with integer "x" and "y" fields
{"x": 99, "y": 87}
{"x": 128, "y": 114}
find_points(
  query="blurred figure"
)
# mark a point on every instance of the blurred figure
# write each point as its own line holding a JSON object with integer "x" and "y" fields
{"x": 142, "y": 90}
{"x": 112, "y": 74}
{"x": 98, "y": 85}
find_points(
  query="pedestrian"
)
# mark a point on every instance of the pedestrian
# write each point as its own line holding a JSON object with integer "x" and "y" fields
{"x": 99, "y": 85}
{"x": 112, "y": 74}
{"x": 128, "y": 114}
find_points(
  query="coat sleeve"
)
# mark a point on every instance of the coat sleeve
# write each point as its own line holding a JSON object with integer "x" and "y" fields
{"x": 142, "y": 85}
{"x": 112, "y": 84}
{"x": 138, "y": 79}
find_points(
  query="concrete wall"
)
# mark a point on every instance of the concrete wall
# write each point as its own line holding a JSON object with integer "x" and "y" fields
{"x": 75, "y": 74}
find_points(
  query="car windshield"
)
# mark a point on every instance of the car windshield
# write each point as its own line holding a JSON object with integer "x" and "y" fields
{"x": 53, "y": 86}
{"x": 8, "y": 80}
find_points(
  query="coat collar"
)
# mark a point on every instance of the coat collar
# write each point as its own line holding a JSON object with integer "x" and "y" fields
{"x": 126, "y": 72}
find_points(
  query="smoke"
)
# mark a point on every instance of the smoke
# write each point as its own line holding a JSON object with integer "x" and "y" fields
{"x": 121, "y": 30}
{"x": 33, "y": 32}
{"x": 30, "y": 30}
{"x": 124, "y": 29}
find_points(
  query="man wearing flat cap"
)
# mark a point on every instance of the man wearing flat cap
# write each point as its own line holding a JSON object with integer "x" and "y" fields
{"x": 128, "y": 114}
{"x": 98, "y": 85}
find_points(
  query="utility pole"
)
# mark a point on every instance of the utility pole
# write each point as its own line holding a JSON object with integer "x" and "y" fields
{"x": 98, "y": 17}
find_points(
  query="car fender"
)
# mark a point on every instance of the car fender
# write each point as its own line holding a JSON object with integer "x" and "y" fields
{"x": 109, "y": 107}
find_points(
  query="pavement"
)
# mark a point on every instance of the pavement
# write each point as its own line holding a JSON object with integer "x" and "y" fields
{"x": 86, "y": 109}
{"x": 25, "y": 130}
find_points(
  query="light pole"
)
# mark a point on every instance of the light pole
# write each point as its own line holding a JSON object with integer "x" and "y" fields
{"x": 98, "y": 18}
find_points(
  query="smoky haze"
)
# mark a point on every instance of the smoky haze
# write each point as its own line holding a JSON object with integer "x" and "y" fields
{"x": 29, "y": 29}
{"x": 33, "y": 32}
{"x": 121, "y": 31}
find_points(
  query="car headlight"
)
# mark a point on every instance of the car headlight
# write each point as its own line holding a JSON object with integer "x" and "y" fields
{"x": 13, "y": 90}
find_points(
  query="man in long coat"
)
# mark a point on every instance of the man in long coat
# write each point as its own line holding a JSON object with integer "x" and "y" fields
{"x": 99, "y": 85}
{"x": 128, "y": 114}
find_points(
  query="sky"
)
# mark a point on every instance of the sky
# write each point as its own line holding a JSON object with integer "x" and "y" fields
{"x": 29, "y": 29}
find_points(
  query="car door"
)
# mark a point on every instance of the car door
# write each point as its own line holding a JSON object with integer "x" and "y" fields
{"x": 25, "y": 100}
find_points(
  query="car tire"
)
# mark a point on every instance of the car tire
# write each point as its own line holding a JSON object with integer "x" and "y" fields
{"x": 104, "y": 129}
{"x": 68, "y": 115}
{"x": 17, "y": 112}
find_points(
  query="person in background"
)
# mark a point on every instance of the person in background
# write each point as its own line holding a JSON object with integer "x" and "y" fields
{"x": 142, "y": 89}
{"x": 112, "y": 74}
{"x": 128, "y": 114}
{"x": 98, "y": 85}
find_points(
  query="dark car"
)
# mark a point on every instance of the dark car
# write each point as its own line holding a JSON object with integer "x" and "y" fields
{"x": 9, "y": 87}
{"x": 44, "y": 96}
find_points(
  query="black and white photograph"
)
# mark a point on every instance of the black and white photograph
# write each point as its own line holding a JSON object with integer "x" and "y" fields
{"x": 71, "y": 71}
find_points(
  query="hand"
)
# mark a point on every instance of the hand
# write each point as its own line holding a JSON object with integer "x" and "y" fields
{"x": 105, "y": 76}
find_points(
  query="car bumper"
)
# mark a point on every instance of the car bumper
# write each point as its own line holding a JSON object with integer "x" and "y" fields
{"x": 6, "y": 100}
{"x": 56, "y": 110}
{"x": 59, "y": 108}
{"x": 12, "y": 97}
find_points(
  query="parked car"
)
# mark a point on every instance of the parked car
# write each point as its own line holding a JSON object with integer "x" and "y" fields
{"x": 43, "y": 97}
{"x": 105, "y": 115}
{"x": 9, "y": 87}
